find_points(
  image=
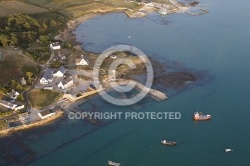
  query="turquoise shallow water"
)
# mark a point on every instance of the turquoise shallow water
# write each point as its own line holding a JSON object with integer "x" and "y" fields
{"x": 218, "y": 42}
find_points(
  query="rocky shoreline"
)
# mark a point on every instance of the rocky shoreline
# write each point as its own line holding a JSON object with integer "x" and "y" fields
{"x": 30, "y": 126}
{"x": 177, "y": 79}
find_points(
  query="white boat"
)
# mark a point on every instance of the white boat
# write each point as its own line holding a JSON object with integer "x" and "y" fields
{"x": 228, "y": 150}
{"x": 112, "y": 56}
{"x": 170, "y": 143}
{"x": 114, "y": 163}
{"x": 163, "y": 11}
{"x": 200, "y": 116}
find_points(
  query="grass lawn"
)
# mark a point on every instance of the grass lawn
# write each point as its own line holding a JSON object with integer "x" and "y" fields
{"x": 14, "y": 65}
{"x": 13, "y": 7}
{"x": 42, "y": 98}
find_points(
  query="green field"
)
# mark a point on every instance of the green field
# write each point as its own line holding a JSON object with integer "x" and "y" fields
{"x": 14, "y": 65}
{"x": 12, "y": 7}
{"x": 42, "y": 98}
{"x": 69, "y": 8}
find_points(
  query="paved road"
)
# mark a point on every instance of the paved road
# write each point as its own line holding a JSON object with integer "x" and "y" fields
{"x": 26, "y": 93}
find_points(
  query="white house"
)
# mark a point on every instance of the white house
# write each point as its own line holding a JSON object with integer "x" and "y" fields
{"x": 7, "y": 104}
{"x": 60, "y": 72}
{"x": 13, "y": 94}
{"x": 66, "y": 82}
{"x": 45, "y": 114}
{"x": 11, "y": 106}
{"x": 18, "y": 107}
{"x": 81, "y": 61}
{"x": 48, "y": 87}
{"x": 23, "y": 81}
{"x": 47, "y": 77}
{"x": 55, "y": 46}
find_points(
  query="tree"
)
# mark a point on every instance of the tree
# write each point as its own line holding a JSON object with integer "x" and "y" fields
{"x": 19, "y": 87}
{"x": 29, "y": 75}
{"x": 4, "y": 40}
{"x": 13, "y": 39}
{"x": 14, "y": 83}
{"x": 52, "y": 23}
{"x": 31, "y": 35}
{"x": 44, "y": 39}
{"x": 43, "y": 27}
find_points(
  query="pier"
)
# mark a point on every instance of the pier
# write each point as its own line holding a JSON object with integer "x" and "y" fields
{"x": 155, "y": 93}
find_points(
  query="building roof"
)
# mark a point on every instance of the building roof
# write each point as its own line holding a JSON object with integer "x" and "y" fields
{"x": 66, "y": 80}
{"x": 55, "y": 44}
{"x": 61, "y": 70}
{"x": 46, "y": 112}
{"x": 13, "y": 94}
{"x": 48, "y": 75}
{"x": 23, "y": 81}
{"x": 7, "y": 104}
{"x": 78, "y": 60}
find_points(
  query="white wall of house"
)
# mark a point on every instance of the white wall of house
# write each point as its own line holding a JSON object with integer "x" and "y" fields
{"x": 82, "y": 62}
{"x": 43, "y": 81}
{"x": 63, "y": 86}
{"x": 19, "y": 107}
{"x": 58, "y": 74}
{"x": 60, "y": 85}
{"x": 46, "y": 116}
{"x": 12, "y": 107}
{"x": 7, "y": 104}
{"x": 68, "y": 84}
{"x": 48, "y": 87}
{"x": 50, "y": 79}
{"x": 58, "y": 47}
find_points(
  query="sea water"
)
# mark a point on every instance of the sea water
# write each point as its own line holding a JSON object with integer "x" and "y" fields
{"x": 218, "y": 42}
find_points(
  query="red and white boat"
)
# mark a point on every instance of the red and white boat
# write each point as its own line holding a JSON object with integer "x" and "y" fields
{"x": 200, "y": 116}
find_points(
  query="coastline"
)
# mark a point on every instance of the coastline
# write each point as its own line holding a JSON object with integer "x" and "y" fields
{"x": 66, "y": 35}
{"x": 39, "y": 123}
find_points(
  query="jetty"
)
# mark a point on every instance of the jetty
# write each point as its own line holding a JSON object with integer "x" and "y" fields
{"x": 155, "y": 93}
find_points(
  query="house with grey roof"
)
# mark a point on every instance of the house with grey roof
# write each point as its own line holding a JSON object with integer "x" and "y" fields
{"x": 60, "y": 72}
{"x": 66, "y": 82}
{"x": 12, "y": 106}
{"x": 47, "y": 77}
{"x": 13, "y": 94}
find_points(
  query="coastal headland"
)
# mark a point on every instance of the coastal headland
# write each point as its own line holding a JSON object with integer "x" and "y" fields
{"x": 71, "y": 49}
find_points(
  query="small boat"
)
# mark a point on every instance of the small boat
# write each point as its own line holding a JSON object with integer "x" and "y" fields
{"x": 113, "y": 163}
{"x": 163, "y": 11}
{"x": 228, "y": 150}
{"x": 112, "y": 56}
{"x": 170, "y": 143}
{"x": 200, "y": 116}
